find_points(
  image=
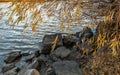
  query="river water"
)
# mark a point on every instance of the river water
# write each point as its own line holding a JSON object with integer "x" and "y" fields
{"x": 18, "y": 39}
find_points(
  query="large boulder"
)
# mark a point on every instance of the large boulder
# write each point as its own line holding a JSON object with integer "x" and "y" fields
{"x": 62, "y": 52}
{"x": 15, "y": 56}
{"x": 48, "y": 40}
{"x": 67, "y": 68}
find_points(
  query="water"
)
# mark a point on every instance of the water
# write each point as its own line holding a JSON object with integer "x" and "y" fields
{"x": 18, "y": 39}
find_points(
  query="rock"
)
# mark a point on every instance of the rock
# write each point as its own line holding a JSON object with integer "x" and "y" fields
{"x": 42, "y": 58}
{"x": 70, "y": 41}
{"x": 86, "y": 33}
{"x": 25, "y": 53}
{"x": 31, "y": 72}
{"x": 13, "y": 71}
{"x": 62, "y": 52}
{"x": 7, "y": 67}
{"x": 37, "y": 53}
{"x": 34, "y": 65}
{"x": 48, "y": 42}
{"x": 47, "y": 71}
{"x": 54, "y": 58}
{"x": 29, "y": 58}
{"x": 12, "y": 57}
{"x": 67, "y": 68}
{"x": 24, "y": 68}
{"x": 50, "y": 71}
{"x": 75, "y": 55}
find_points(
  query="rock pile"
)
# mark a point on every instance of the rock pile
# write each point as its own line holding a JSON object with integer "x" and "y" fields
{"x": 63, "y": 60}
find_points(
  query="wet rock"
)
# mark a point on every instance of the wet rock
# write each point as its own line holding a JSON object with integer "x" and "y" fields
{"x": 12, "y": 57}
{"x": 48, "y": 42}
{"x": 62, "y": 52}
{"x": 29, "y": 58}
{"x": 7, "y": 67}
{"x": 13, "y": 71}
{"x": 25, "y": 53}
{"x": 67, "y": 68}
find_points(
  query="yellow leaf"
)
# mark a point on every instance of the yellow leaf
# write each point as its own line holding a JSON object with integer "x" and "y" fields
{"x": 33, "y": 28}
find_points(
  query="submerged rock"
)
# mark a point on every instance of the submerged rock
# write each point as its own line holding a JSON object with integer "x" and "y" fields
{"x": 67, "y": 68}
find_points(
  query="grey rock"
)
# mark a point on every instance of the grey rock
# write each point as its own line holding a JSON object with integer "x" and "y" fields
{"x": 70, "y": 41}
{"x": 7, "y": 67}
{"x": 12, "y": 57}
{"x": 13, "y": 71}
{"x": 48, "y": 42}
{"x": 29, "y": 58}
{"x": 34, "y": 65}
{"x": 43, "y": 58}
{"x": 67, "y": 68}
{"x": 23, "y": 69}
{"x": 25, "y": 53}
{"x": 62, "y": 52}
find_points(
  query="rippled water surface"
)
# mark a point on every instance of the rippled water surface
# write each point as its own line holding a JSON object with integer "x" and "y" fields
{"x": 18, "y": 39}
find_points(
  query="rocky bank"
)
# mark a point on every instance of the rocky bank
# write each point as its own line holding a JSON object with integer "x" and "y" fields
{"x": 59, "y": 54}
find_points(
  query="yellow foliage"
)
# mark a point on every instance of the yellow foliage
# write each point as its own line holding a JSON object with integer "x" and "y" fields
{"x": 101, "y": 40}
{"x": 55, "y": 43}
{"x": 115, "y": 45}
